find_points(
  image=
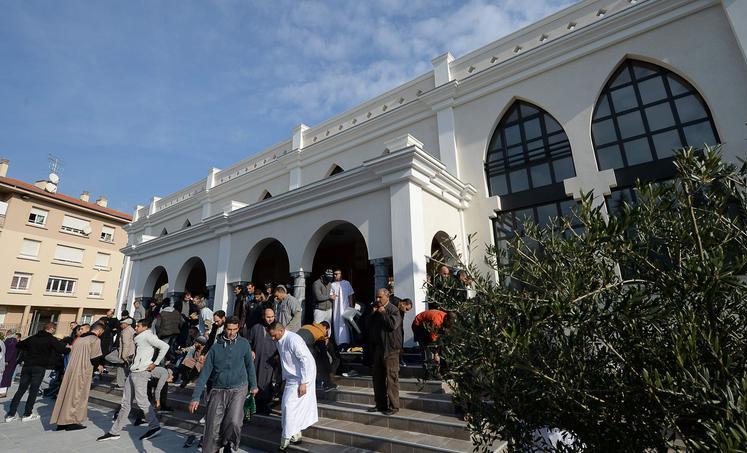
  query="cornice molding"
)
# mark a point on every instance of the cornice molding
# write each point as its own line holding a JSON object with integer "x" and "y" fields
{"x": 410, "y": 164}
{"x": 619, "y": 27}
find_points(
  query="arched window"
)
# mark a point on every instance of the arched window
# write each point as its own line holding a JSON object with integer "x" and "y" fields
{"x": 644, "y": 112}
{"x": 529, "y": 149}
{"x": 528, "y": 158}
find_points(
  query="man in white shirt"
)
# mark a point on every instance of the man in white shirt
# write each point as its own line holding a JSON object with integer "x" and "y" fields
{"x": 299, "y": 410}
{"x": 343, "y": 298}
{"x": 146, "y": 342}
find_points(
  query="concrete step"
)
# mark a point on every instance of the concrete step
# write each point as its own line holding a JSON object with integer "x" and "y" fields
{"x": 350, "y": 425}
{"x": 418, "y": 401}
{"x": 405, "y": 384}
{"x": 445, "y": 425}
{"x": 411, "y": 371}
{"x": 253, "y": 435}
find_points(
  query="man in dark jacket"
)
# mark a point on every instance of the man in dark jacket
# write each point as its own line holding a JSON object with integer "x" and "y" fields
{"x": 230, "y": 367}
{"x": 41, "y": 352}
{"x": 111, "y": 327}
{"x": 385, "y": 342}
{"x": 169, "y": 325}
{"x": 321, "y": 298}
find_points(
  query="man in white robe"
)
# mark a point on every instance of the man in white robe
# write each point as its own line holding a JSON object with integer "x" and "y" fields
{"x": 299, "y": 410}
{"x": 342, "y": 295}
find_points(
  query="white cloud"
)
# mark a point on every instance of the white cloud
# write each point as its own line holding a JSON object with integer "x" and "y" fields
{"x": 335, "y": 55}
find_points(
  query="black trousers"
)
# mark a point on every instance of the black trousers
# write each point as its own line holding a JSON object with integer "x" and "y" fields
{"x": 31, "y": 380}
{"x": 386, "y": 379}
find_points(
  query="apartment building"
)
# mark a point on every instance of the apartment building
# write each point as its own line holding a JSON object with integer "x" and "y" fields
{"x": 60, "y": 255}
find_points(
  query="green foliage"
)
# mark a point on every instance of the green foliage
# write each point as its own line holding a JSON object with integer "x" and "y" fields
{"x": 629, "y": 332}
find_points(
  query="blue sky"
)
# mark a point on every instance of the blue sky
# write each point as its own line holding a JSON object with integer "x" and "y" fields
{"x": 142, "y": 97}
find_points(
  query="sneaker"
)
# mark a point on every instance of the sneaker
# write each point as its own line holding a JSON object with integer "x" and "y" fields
{"x": 402, "y": 363}
{"x": 108, "y": 436}
{"x": 351, "y": 373}
{"x": 390, "y": 411}
{"x": 190, "y": 440}
{"x": 151, "y": 433}
{"x": 327, "y": 386}
{"x": 202, "y": 421}
{"x": 139, "y": 422}
{"x": 30, "y": 418}
{"x": 296, "y": 439}
{"x": 11, "y": 418}
{"x": 75, "y": 427}
{"x": 284, "y": 444}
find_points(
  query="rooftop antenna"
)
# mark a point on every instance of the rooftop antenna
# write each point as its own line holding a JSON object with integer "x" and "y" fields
{"x": 55, "y": 169}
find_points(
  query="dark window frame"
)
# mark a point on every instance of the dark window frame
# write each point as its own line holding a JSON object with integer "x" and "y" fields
{"x": 670, "y": 99}
{"x": 499, "y": 163}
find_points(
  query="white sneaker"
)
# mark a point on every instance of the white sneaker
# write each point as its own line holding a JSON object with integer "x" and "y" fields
{"x": 202, "y": 421}
{"x": 30, "y": 418}
{"x": 11, "y": 418}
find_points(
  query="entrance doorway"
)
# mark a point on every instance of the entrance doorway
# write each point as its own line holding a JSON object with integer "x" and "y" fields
{"x": 272, "y": 267}
{"x": 344, "y": 247}
{"x": 40, "y": 317}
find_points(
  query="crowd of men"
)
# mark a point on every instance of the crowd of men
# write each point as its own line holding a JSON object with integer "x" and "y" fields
{"x": 262, "y": 351}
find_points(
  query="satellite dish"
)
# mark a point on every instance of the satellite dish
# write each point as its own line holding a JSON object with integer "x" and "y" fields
{"x": 53, "y": 178}
{"x": 86, "y": 230}
{"x": 50, "y": 187}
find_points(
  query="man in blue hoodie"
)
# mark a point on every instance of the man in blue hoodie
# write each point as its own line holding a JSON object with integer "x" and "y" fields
{"x": 230, "y": 367}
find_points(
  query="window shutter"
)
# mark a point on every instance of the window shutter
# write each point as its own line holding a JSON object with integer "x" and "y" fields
{"x": 70, "y": 254}
{"x": 30, "y": 248}
{"x": 75, "y": 223}
{"x": 3, "y": 207}
{"x": 96, "y": 289}
{"x": 102, "y": 259}
{"x": 38, "y": 211}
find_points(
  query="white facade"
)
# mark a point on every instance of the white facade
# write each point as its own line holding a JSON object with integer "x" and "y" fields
{"x": 414, "y": 158}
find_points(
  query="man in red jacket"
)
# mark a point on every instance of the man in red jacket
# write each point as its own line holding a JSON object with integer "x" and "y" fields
{"x": 427, "y": 328}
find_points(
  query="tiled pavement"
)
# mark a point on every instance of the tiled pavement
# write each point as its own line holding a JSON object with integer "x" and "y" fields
{"x": 40, "y": 437}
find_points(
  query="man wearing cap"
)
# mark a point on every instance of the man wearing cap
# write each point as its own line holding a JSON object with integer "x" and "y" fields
{"x": 122, "y": 355}
{"x": 322, "y": 298}
{"x": 288, "y": 309}
{"x": 194, "y": 358}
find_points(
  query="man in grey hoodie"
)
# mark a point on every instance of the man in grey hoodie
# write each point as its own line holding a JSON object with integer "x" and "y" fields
{"x": 136, "y": 384}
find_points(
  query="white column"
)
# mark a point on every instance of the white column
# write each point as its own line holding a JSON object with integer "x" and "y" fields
{"x": 601, "y": 182}
{"x": 447, "y": 146}
{"x": 124, "y": 284}
{"x": 736, "y": 11}
{"x": 408, "y": 248}
{"x": 295, "y": 176}
{"x": 132, "y": 290}
{"x": 442, "y": 69}
{"x": 221, "y": 278}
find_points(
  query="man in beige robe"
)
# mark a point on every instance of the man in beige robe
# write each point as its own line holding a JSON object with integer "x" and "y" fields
{"x": 71, "y": 409}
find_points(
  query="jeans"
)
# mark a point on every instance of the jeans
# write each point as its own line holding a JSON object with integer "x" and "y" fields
{"x": 31, "y": 380}
{"x": 113, "y": 358}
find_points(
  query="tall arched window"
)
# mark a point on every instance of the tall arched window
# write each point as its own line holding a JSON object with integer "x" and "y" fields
{"x": 529, "y": 149}
{"x": 528, "y": 158}
{"x": 644, "y": 112}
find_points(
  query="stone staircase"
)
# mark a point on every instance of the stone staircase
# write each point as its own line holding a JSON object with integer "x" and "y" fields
{"x": 426, "y": 422}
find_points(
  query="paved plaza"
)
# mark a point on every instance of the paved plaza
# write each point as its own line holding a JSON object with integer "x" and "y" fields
{"x": 39, "y": 436}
